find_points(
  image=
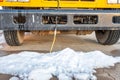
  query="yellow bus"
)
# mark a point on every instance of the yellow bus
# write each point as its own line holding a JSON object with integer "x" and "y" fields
{"x": 66, "y": 16}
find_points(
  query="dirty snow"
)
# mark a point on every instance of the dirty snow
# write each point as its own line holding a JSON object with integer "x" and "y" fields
{"x": 64, "y": 64}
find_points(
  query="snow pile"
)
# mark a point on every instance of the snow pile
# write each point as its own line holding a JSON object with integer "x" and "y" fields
{"x": 64, "y": 64}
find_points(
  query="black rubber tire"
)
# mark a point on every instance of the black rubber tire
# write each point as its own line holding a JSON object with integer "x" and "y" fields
{"x": 14, "y": 37}
{"x": 107, "y": 37}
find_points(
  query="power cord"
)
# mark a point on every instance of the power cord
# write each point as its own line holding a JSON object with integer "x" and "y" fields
{"x": 55, "y": 30}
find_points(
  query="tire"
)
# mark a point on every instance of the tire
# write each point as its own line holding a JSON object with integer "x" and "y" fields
{"x": 14, "y": 37}
{"x": 107, "y": 37}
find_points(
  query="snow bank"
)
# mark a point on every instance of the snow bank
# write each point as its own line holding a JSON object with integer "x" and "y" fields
{"x": 64, "y": 64}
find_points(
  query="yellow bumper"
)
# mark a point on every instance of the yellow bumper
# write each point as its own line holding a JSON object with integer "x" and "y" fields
{"x": 62, "y": 4}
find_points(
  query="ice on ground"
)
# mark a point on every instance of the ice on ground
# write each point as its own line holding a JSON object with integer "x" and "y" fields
{"x": 64, "y": 64}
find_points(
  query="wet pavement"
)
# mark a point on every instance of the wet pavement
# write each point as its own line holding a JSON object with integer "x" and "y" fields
{"x": 79, "y": 43}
